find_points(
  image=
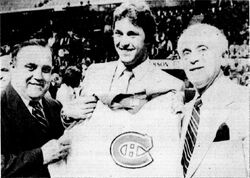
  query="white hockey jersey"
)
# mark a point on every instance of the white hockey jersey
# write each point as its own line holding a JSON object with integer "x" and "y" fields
{"x": 120, "y": 144}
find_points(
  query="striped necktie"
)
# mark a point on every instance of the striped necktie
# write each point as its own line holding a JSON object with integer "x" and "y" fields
{"x": 37, "y": 112}
{"x": 191, "y": 135}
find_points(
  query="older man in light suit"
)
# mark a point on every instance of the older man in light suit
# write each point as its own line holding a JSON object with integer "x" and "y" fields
{"x": 215, "y": 130}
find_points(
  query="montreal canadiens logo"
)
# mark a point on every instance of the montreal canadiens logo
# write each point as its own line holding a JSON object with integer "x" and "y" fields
{"x": 131, "y": 150}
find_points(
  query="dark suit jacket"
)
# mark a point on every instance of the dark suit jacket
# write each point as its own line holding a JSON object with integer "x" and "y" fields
{"x": 21, "y": 137}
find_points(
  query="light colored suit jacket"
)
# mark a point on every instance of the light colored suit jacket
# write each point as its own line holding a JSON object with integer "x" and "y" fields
{"x": 223, "y": 103}
{"x": 99, "y": 78}
{"x": 92, "y": 148}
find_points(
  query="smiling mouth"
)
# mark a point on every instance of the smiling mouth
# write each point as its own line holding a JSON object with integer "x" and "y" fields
{"x": 196, "y": 68}
{"x": 37, "y": 84}
{"x": 126, "y": 49}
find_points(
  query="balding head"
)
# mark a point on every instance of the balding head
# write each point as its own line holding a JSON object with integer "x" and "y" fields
{"x": 201, "y": 47}
{"x": 203, "y": 32}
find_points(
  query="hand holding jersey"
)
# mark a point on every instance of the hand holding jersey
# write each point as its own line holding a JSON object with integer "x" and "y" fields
{"x": 120, "y": 144}
{"x": 133, "y": 131}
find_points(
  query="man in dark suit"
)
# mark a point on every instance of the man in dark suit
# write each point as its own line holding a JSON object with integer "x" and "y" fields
{"x": 30, "y": 122}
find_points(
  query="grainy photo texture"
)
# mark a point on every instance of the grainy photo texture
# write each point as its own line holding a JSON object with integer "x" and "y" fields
{"x": 125, "y": 88}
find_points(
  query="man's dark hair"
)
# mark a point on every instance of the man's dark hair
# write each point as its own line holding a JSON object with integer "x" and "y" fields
{"x": 31, "y": 42}
{"x": 140, "y": 15}
{"x": 72, "y": 76}
{"x": 5, "y": 50}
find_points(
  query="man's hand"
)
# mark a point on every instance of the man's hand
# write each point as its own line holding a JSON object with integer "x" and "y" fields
{"x": 177, "y": 103}
{"x": 177, "y": 108}
{"x": 80, "y": 108}
{"x": 55, "y": 150}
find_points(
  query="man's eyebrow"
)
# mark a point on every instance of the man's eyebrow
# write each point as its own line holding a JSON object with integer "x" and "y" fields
{"x": 47, "y": 66}
{"x": 117, "y": 31}
{"x": 4, "y": 69}
{"x": 133, "y": 33}
{"x": 202, "y": 46}
{"x": 186, "y": 49}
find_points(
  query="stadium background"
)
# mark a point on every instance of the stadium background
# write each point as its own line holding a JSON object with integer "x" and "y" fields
{"x": 80, "y": 31}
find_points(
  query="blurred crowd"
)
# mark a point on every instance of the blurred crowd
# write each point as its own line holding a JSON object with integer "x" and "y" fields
{"x": 80, "y": 37}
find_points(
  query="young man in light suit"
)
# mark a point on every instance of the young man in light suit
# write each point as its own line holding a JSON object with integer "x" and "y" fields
{"x": 215, "y": 132}
{"x": 29, "y": 133}
{"x": 133, "y": 131}
{"x": 134, "y": 28}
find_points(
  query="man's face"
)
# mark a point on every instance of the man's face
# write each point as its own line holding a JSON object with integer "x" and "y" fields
{"x": 5, "y": 71}
{"x": 129, "y": 42}
{"x": 32, "y": 71}
{"x": 202, "y": 59}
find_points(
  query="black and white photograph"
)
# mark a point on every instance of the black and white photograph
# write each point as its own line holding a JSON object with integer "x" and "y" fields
{"x": 125, "y": 88}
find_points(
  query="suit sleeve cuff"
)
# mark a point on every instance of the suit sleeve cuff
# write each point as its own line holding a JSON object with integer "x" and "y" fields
{"x": 36, "y": 157}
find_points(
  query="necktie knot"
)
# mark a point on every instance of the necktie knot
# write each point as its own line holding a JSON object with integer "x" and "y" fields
{"x": 121, "y": 85}
{"x": 37, "y": 112}
{"x": 128, "y": 74}
{"x": 35, "y": 104}
{"x": 198, "y": 102}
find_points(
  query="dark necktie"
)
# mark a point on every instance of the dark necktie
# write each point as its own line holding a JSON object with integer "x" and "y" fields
{"x": 38, "y": 114}
{"x": 191, "y": 135}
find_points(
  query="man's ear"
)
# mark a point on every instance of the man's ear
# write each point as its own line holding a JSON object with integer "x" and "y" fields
{"x": 224, "y": 58}
{"x": 225, "y": 54}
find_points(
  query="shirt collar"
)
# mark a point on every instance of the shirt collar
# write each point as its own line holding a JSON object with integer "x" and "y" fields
{"x": 25, "y": 100}
{"x": 138, "y": 71}
{"x": 215, "y": 90}
{"x": 120, "y": 69}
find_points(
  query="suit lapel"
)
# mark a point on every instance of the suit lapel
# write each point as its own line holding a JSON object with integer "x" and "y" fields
{"x": 213, "y": 114}
{"x": 102, "y": 90}
{"x": 107, "y": 76}
{"x": 20, "y": 113}
{"x": 48, "y": 111}
{"x": 16, "y": 105}
{"x": 209, "y": 124}
{"x": 158, "y": 81}
{"x": 152, "y": 81}
{"x": 52, "y": 113}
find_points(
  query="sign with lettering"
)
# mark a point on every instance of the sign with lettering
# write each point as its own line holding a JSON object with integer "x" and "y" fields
{"x": 167, "y": 64}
